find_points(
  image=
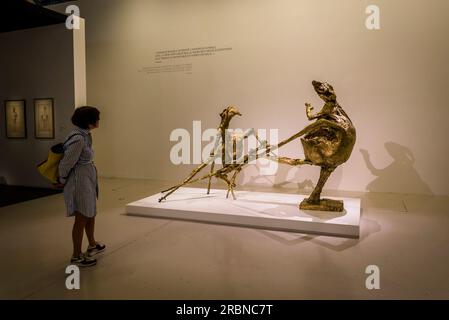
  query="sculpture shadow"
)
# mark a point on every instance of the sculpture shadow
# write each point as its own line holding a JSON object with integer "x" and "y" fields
{"x": 283, "y": 179}
{"x": 338, "y": 244}
{"x": 292, "y": 208}
{"x": 399, "y": 176}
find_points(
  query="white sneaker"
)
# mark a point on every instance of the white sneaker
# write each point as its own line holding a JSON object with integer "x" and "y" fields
{"x": 98, "y": 248}
{"x": 83, "y": 261}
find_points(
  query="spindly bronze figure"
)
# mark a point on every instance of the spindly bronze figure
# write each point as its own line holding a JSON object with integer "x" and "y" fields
{"x": 220, "y": 150}
{"x": 327, "y": 143}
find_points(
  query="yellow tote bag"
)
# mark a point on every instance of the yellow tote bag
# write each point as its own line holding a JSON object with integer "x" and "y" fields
{"x": 49, "y": 168}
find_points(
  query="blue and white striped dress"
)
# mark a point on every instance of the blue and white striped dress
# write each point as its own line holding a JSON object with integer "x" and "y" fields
{"x": 77, "y": 171}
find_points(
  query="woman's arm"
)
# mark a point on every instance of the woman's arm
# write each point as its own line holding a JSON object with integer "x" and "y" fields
{"x": 71, "y": 156}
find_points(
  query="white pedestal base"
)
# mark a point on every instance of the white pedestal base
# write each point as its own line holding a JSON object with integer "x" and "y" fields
{"x": 273, "y": 211}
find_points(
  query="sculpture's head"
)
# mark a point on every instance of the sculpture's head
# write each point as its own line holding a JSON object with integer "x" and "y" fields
{"x": 324, "y": 90}
{"x": 230, "y": 112}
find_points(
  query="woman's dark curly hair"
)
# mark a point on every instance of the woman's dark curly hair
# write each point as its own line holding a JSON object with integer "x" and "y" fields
{"x": 84, "y": 116}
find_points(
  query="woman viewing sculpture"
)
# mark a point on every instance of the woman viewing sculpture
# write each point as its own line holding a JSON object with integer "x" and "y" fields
{"x": 78, "y": 178}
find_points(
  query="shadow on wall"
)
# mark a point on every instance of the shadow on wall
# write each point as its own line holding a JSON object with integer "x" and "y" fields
{"x": 287, "y": 176}
{"x": 400, "y": 176}
{"x": 3, "y": 181}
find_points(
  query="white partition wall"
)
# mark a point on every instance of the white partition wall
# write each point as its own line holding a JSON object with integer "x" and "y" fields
{"x": 79, "y": 64}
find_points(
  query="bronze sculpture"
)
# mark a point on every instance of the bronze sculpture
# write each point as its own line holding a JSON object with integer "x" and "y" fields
{"x": 222, "y": 152}
{"x": 327, "y": 143}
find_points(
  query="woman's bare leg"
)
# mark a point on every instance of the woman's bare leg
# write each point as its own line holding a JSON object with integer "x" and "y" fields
{"x": 90, "y": 230}
{"x": 77, "y": 233}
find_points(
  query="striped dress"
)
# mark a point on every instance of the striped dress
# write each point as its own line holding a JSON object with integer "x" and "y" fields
{"x": 77, "y": 171}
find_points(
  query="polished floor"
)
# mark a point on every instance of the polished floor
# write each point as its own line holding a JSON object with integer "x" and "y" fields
{"x": 406, "y": 236}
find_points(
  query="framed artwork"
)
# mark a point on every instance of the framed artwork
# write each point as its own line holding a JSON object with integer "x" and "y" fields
{"x": 15, "y": 119}
{"x": 44, "y": 123}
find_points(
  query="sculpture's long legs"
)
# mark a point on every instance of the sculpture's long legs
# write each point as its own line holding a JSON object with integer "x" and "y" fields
{"x": 219, "y": 174}
{"x": 290, "y": 161}
{"x": 211, "y": 171}
{"x": 316, "y": 193}
{"x": 232, "y": 183}
{"x": 189, "y": 182}
{"x": 174, "y": 188}
{"x": 228, "y": 168}
{"x": 194, "y": 172}
{"x": 223, "y": 177}
{"x": 230, "y": 190}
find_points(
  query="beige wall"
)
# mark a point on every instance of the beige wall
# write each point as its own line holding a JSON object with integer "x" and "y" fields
{"x": 392, "y": 82}
{"x": 38, "y": 63}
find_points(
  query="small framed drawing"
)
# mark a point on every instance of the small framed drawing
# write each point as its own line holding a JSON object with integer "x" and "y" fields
{"x": 15, "y": 119}
{"x": 44, "y": 124}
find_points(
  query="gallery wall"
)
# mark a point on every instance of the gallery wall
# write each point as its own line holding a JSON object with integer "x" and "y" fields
{"x": 392, "y": 82}
{"x": 38, "y": 63}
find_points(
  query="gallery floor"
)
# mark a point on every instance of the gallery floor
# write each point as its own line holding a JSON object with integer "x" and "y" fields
{"x": 406, "y": 236}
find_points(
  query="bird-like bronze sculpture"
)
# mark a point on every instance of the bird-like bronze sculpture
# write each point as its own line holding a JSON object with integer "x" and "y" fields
{"x": 328, "y": 142}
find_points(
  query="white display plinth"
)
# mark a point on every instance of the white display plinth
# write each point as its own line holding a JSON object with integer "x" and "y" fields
{"x": 274, "y": 211}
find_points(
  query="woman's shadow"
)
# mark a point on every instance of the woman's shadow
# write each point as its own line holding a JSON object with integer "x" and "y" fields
{"x": 399, "y": 176}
